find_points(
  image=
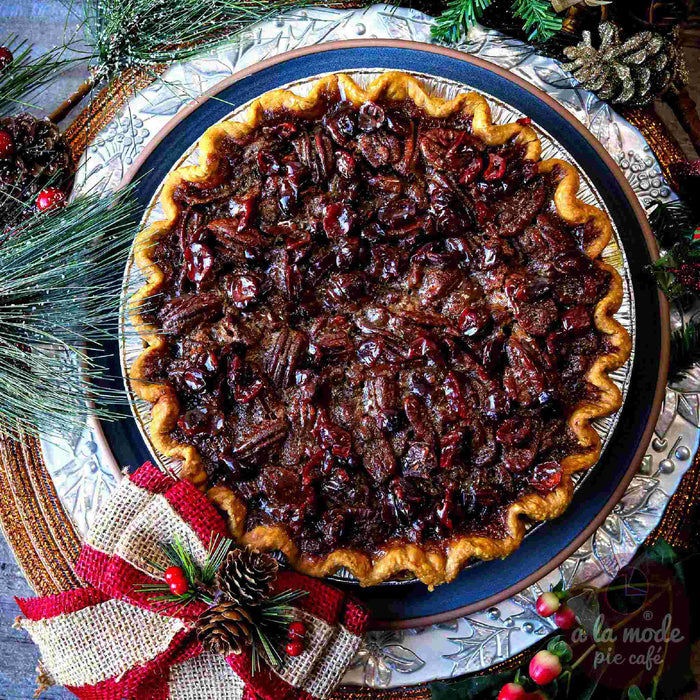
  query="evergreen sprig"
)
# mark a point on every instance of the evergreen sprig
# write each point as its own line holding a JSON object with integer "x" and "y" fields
{"x": 145, "y": 33}
{"x": 60, "y": 282}
{"x": 670, "y": 222}
{"x": 199, "y": 580}
{"x": 540, "y": 22}
{"x": 27, "y": 75}
{"x": 457, "y": 18}
{"x": 685, "y": 350}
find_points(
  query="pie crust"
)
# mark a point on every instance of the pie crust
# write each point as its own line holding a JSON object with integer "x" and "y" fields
{"x": 430, "y": 566}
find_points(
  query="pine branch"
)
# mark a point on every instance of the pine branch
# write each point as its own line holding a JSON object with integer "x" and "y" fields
{"x": 540, "y": 22}
{"x": 26, "y": 75}
{"x": 685, "y": 350}
{"x": 456, "y": 20}
{"x": 670, "y": 222}
{"x": 60, "y": 283}
{"x": 145, "y": 33}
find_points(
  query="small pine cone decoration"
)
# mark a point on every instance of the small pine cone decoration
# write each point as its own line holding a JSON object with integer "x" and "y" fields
{"x": 633, "y": 72}
{"x": 39, "y": 154}
{"x": 246, "y": 576}
{"x": 226, "y": 628}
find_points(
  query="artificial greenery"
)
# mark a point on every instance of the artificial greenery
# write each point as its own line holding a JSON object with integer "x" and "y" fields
{"x": 27, "y": 75}
{"x": 269, "y": 616}
{"x": 577, "y": 680}
{"x": 60, "y": 282}
{"x": 200, "y": 579}
{"x": 538, "y": 19}
{"x": 670, "y": 221}
{"x": 685, "y": 350}
{"x": 149, "y": 32}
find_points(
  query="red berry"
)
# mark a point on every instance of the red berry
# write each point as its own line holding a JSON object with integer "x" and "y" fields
{"x": 176, "y": 580}
{"x": 547, "y": 604}
{"x": 512, "y": 691}
{"x": 50, "y": 198}
{"x": 179, "y": 587}
{"x": 294, "y": 648}
{"x": 174, "y": 573}
{"x": 544, "y": 667}
{"x": 7, "y": 145}
{"x": 565, "y": 618}
{"x": 297, "y": 630}
{"x": 6, "y": 57}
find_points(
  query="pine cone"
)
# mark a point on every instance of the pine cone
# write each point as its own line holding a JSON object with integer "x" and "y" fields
{"x": 226, "y": 628}
{"x": 633, "y": 72}
{"x": 246, "y": 576}
{"x": 40, "y": 155}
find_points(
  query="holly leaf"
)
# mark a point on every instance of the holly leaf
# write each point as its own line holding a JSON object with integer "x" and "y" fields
{"x": 474, "y": 688}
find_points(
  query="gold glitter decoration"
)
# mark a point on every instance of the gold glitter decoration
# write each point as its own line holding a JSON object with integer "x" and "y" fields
{"x": 632, "y": 72}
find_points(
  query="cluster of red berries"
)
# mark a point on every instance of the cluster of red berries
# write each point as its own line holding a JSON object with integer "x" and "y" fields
{"x": 551, "y": 603}
{"x": 296, "y": 634}
{"x": 176, "y": 580}
{"x": 545, "y": 665}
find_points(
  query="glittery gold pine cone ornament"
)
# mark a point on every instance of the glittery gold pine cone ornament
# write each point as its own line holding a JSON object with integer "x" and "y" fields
{"x": 226, "y": 628}
{"x": 246, "y": 576}
{"x": 632, "y": 72}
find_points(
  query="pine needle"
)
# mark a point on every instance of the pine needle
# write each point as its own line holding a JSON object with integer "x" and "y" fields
{"x": 540, "y": 22}
{"x": 144, "y": 33}
{"x": 216, "y": 553}
{"x": 670, "y": 222}
{"x": 457, "y": 19}
{"x": 26, "y": 75}
{"x": 60, "y": 284}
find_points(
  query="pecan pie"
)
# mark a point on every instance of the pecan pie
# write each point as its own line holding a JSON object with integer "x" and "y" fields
{"x": 378, "y": 328}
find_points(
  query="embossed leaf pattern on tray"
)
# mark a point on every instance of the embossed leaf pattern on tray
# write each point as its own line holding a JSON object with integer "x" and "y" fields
{"x": 381, "y": 654}
{"x": 397, "y": 658}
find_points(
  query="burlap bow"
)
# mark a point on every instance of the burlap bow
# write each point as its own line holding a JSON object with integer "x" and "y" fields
{"x": 109, "y": 641}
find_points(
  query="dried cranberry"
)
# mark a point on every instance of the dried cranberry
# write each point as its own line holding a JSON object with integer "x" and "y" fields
{"x": 201, "y": 420}
{"x": 332, "y": 436}
{"x": 546, "y": 476}
{"x": 454, "y": 394}
{"x": 199, "y": 260}
{"x": 514, "y": 431}
{"x": 345, "y": 164}
{"x": 244, "y": 289}
{"x": 576, "y": 319}
{"x": 372, "y": 116}
{"x": 341, "y": 127}
{"x": 268, "y": 163}
{"x": 474, "y": 321}
{"x": 426, "y": 348}
{"x": 471, "y": 172}
{"x": 496, "y": 167}
{"x": 396, "y": 212}
{"x": 369, "y": 352}
{"x": 338, "y": 220}
{"x": 194, "y": 380}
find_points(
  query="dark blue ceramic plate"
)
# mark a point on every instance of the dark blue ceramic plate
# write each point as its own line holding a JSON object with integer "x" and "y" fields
{"x": 488, "y": 582}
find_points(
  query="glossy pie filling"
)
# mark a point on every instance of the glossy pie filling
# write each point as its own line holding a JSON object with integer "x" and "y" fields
{"x": 376, "y": 327}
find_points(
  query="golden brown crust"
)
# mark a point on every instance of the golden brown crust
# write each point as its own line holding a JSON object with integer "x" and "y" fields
{"x": 431, "y": 566}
